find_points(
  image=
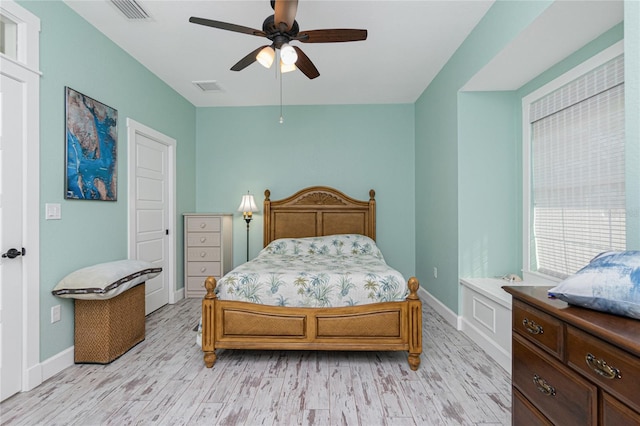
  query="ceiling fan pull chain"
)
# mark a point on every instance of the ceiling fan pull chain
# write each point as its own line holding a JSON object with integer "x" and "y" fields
{"x": 279, "y": 73}
{"x": 281, "y": 117}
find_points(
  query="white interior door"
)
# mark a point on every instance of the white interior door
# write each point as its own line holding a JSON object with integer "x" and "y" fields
{"x": 11, "y": 280}
{"x": 20, "y": 368}
{"x": 151, "y": 215}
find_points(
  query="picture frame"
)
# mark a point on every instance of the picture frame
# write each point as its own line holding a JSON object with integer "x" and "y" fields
{"x": 91, "y": 148}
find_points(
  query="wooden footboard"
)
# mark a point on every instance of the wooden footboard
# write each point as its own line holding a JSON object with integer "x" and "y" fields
{"x": 390, "y": 326}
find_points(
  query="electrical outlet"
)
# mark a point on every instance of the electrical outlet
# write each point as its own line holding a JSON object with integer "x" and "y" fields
{"x": 435, "y": 272}
{"x": 55, "y": 314}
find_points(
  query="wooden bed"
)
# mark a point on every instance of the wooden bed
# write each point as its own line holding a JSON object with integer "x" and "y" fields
{"x": 314, "y": 211}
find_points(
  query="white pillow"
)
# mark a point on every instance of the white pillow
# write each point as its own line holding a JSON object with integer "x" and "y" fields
{"x": 105, "y": 280}
{"x": 609, "y": 283}
{"x": 328, "y": 245}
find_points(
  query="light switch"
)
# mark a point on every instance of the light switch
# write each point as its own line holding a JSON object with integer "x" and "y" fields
{"x": 52, "y": 211}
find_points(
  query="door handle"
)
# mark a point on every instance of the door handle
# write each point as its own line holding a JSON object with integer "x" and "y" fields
{"x": 12, "y": 253}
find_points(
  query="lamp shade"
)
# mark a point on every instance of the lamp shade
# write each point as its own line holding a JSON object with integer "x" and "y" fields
{"x": 248, "y": 204}
{"x": 288, "y": 54}
{"x": 287, "y": 67}
{"x": 265, "y": 56}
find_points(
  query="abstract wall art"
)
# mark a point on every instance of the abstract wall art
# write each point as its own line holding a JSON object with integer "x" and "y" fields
{"x": 91, "y": 148}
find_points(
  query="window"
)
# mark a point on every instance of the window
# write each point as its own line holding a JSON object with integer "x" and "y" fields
{"x": 576, "y": 166}
{"x": 8, "y": 37}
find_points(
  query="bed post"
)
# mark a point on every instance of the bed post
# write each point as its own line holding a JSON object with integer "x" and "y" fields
{"x": 266, "y": 217}
{"x": 415, "y": 324}
{"x": 208, "y": 322}
{"x": 372, "y": 214}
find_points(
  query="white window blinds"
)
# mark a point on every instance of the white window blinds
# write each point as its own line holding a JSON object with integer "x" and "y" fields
{"x": 578, "y": 171}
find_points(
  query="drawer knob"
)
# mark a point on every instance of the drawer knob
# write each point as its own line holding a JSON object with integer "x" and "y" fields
{"x": 532, "y": 327}
{"x": 203, "y": 239}
{"x": 543, "y": 386}
{"x": 203, "y": 269}
{"x": 203, "y": 225}
{"x": 600, "y": 367}
{"x": 203, "y": 254}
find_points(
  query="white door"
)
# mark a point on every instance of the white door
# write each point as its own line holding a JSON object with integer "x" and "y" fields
{"x": 151, "y": 218}
{"x": 11, "y": 139}
{"x": 19, "y": 200}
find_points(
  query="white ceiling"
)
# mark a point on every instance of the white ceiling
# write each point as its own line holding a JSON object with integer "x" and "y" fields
{"x": 408, "y": 43}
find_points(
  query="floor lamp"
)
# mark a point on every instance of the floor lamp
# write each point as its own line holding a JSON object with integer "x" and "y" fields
{"x": 248, "y": 207}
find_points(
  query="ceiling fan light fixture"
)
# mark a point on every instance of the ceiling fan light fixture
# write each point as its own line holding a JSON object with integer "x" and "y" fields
{"x": 266, "y": 56}
{"x": 288, "y": 54}
{"x": 287, "y": 67}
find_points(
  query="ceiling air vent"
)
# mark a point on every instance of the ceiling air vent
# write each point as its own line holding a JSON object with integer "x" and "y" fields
{"x": 208, "y": 86}
{"x": 131, "y": 9}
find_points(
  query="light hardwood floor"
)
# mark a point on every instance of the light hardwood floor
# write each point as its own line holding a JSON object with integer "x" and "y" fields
{"x": 163, "y": 381}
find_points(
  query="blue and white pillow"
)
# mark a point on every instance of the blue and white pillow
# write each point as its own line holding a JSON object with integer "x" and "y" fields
{"x": 609, "y": 283}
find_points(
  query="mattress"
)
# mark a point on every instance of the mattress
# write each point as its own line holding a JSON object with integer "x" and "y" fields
{"x": 330, "y": 271}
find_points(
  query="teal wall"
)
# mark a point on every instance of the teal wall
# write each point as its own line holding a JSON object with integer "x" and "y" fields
{"x": 489, "y": 184}
{"x": 73, "y": 53}
{"x": 353, "y": 148}
{"x": 438, "y": 155}
{"x": 469, "y": 156}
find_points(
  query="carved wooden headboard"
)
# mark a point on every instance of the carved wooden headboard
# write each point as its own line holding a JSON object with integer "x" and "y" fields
{"x": 318, "y": 211}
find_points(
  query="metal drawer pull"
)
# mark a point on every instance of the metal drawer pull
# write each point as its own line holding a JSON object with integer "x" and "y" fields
{"x": 532, "y": 327}
{"x": 543, "y": 386}
{"x": 203, "y": 254}
{"x": 203, "y": 239}
{"x": 599, "y": 366}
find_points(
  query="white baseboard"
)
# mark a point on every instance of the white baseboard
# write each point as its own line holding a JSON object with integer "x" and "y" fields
{"x": 441, "y": 308}
{"x": 177, "y": 296}
{"x": 43, "y": 371}
{"x": 32, "y": 378}
{"x": 52, "y": 366}
{"x": 495, "y": 351}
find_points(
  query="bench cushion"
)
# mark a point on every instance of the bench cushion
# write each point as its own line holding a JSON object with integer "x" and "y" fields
{"x": 105, "y": 280}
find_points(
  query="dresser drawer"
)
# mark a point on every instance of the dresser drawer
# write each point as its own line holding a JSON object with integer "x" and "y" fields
{"x": 560, "y": 394}
{"x": 203, "y": 269}
{"x": 538, "y": 327}
{"x": 525, "y": 414}
{"x": 203, "y": 239}
{"x": 203, "y": 254}
{"x": 203, "y": 224}
{"x": 196, "y": 285}
{"x": 616, "y": 413}
{"x": 610, "y": 367}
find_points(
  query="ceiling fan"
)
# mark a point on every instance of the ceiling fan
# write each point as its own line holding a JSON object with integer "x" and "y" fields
{"x": 282, "y": 28}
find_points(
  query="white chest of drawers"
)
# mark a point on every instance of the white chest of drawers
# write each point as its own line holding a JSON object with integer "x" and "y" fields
{"x": 208, "y": 249}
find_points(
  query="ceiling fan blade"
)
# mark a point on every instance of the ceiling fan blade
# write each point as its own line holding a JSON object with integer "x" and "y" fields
{"x": 247, "y": 60}
{"x": 305, "y": 65}
{"x": 227, "y": 26}
{"x": 285, "y": 11}
{"x": 331, "y": 36}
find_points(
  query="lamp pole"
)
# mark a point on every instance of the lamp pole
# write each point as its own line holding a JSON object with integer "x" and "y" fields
{"x": 247, "y": 218}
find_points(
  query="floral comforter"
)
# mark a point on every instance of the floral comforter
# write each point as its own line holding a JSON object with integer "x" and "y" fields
{"x": 337, "y": 270}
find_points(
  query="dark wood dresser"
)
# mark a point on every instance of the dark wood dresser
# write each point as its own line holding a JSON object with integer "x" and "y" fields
{"x": 572, "y": 366}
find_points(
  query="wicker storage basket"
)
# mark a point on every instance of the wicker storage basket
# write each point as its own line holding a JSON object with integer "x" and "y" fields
{"x": 106, "y": 329}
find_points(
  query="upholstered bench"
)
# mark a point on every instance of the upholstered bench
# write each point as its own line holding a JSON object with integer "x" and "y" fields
{"x": 109, "y": 308}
